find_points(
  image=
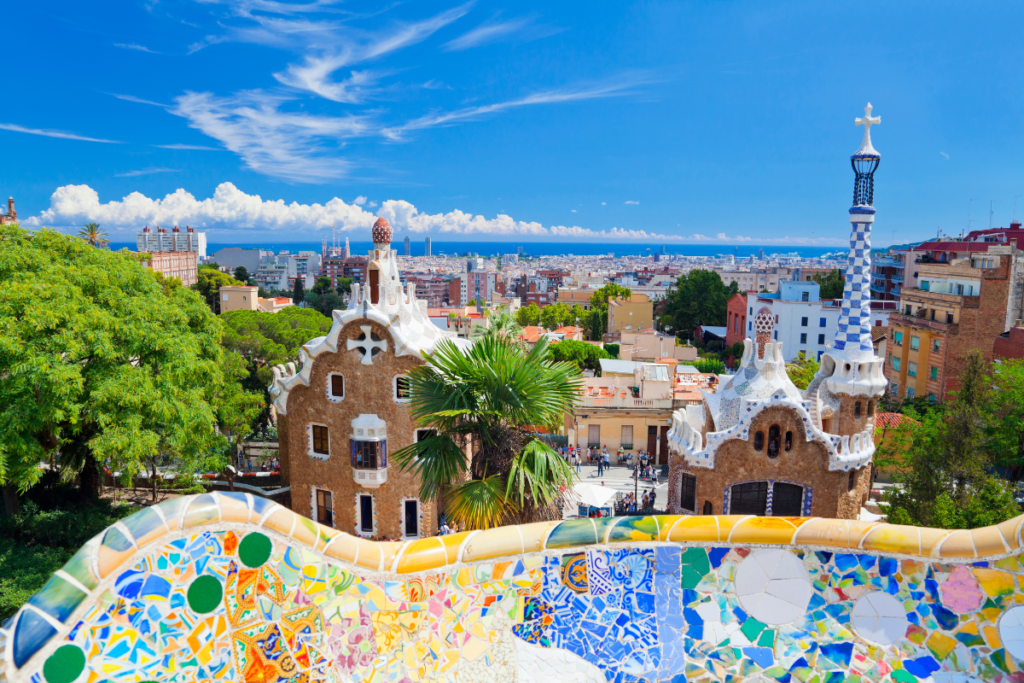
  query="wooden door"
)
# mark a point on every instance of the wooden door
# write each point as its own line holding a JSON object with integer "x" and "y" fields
{"x": 652, "y": 441}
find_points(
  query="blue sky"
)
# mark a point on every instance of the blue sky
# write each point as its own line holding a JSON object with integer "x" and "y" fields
{"x": 681, "y": 122}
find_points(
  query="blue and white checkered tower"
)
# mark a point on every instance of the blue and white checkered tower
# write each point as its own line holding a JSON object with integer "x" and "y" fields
{"x": 851, "y": 365}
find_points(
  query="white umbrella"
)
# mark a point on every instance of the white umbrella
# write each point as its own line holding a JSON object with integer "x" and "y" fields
{"x": 593, "y": 495}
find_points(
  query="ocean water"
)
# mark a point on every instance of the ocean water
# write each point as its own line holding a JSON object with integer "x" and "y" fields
{"x": 537, "y": 248}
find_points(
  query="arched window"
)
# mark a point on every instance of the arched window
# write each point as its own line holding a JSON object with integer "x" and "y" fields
{"x": 709, "y": 509}
{"x": 789, "y": 440}
{"x": 856, "y": 409}
{"x": 871, "y": 408}
{"x": 758, "y": 440}
{"x": 774, "y": 441}
{"x": 853, "y": 480}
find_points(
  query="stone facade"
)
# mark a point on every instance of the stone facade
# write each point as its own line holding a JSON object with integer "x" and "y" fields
{"x": 343, "y": 413}
{"x": 11, "y": 216}
{"x": 368, "y": 389}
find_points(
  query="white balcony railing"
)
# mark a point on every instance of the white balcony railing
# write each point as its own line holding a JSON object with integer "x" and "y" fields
{"x": 628, "y": 402}
{"x": 370, "y": 478}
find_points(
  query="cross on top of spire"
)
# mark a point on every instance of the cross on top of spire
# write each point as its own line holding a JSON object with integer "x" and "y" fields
{"x": 867, "y": 121}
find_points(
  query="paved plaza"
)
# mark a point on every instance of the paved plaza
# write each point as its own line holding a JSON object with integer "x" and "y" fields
{"x": 620, "y": 478}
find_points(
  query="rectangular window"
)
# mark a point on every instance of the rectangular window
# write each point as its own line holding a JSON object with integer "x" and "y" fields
{"x": 803, "y": 338}
{"x": 403, "y": 389}
{"x": 366, "y": 514}
{"x": 821, "y": 339}
{"x": 821, "y": 322}
{"x": 896, "y": 364}
{"x": 910, "y": 392}
{"x": 805, "y": 296}
{"x": 626, "y": 442}
{"x": 412, "y": 518}
{"x": 936, "y": 345}
{"x": 337, "y": 386}
{"x": 911, "y": 369}
{"x": 898, "y": 341}
{"x": 915, "y": 343}
{"x": 594, "y": 436}
{"x": 688, "y": 493}
{"x": 803, "y": 322}
{"x": 324, "y": 508}
{"x": 321, "y": 442}
{"x": 933, "y": 372}
{"x": 369, "y": 455}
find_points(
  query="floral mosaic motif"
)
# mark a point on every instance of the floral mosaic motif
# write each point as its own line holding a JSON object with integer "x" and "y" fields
{"x": 247, "y": 603}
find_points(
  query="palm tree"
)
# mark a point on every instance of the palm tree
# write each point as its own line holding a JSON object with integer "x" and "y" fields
{"x": 92, "y": 234}
{"x": 485, "y": 406}
{"x": 502, "y": 324}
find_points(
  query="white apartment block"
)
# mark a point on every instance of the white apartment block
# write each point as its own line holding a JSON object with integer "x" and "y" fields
{"x": 803, "y": 322}
{"x": 175, "y": 240}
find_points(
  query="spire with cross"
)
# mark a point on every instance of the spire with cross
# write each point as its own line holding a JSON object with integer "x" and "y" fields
{"x": 867, "y": 121}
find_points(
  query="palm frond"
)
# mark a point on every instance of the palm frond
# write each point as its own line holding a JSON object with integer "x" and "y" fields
{"x": 480, "y": 503}
{"x": 438, "y": 460}
{"x": 540, "y": 473}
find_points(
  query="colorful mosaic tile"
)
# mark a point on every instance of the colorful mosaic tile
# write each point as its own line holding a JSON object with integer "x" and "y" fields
{"x": 238, "y": 595}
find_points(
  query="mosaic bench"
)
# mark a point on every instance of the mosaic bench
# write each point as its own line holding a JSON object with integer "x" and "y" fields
{"x": 233, "y": 587}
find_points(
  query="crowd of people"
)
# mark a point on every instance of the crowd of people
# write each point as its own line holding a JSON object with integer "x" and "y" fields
{"x": 645, "y": 505}
{"x": 575, "y": 456}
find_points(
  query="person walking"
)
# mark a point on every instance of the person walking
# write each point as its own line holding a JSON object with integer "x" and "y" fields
{"x": 576, "y": 461}
{"x": 653, "y": 497}
{"x": 600, "y": 466}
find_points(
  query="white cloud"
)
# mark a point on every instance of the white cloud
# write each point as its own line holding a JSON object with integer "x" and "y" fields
{"x": 137, "y": 100}
{"x": 195, "y": 147}
{"x": 945, "y": 155}
{"x": 373, "y": 205}
{"x": 52, "y": 133}
{"x": 295, "y": 146}
{"x": 230, "y": 209}
{"x": 133, "y": 46}
{"x": 630, "y": 201}
{"x": 487, "y": 33}
{"x": 359, "y": 201}
{"x": 145, "y": 171}
{"x": 573, "y": 210}
{"x": 602, "y": 203}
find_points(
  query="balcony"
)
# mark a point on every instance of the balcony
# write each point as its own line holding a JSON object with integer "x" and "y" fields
{"x": 627, "y": 403}
{"x": 370, "y": 478}
{"x": 915, "y": 321}
{"x": 897, "y": 278}
{"x": 886, "y": 262}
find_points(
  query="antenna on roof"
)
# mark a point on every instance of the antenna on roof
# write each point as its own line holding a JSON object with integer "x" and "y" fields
{"x": 969, "y": 219}
{"x": 991, "y": 211}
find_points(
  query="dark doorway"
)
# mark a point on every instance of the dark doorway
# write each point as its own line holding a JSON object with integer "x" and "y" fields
{"x": 374, "y": 289}
{"x": 749, "y": 499}
{"x": 652, "y": 442}
{"x": 365, "y": 513}
{"x": 663, "y": 455}
{"x": 709, "y": 508}
{"x": 688, "y": 492}
{"x": 787, "y": 500}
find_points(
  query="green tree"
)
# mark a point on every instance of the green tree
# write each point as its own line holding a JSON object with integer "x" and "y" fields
{"x": 242, "y": 274}
{"x": 706, "y": 365}
{"x": 1004, "y": 411}
{"x": 344, "y": 285}
{"x": 802, "y": 370}
{"x": 612, "y": 350}
{"x": 528, "y": 316}
{"x": 946, "y": 468}
{"x": 502, "y": 324}
{"x": 585, "y": 356}
{"x": 299, "y": 292}
{"x": 325, "y": 303}
{"x": 599, "y": 299}
{"x": 832, "y": 284}
{"x": 554, "y": 315}
{"x": 700, "y": 298}
{"x": 322, "y": 285}
{"x": 208, "y": 284}
{"x": 91, "y": 233}
{"x": 485, "y": 405}
{"x": 101, "y": 365}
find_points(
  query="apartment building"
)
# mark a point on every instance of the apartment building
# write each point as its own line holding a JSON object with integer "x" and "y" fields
{"x": 887, "y": 275}
{"x": 576, "y": 297}
{"x": 430, "y": 288}
{"x": 340, "y": 266}
{"x": 175, "y": 240}
{"x": 755, "y": 280}
{"x": 959, "y": 305}
{"x": 246, "y": 298}
{"x": 627, "y": 315}
{"x": 180, "y": 264}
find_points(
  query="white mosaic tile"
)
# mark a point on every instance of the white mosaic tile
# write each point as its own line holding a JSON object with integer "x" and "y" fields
{"x": 773, "y": 586}
{"x": 1011, "y": 631}
{"x": 879, "y": 618}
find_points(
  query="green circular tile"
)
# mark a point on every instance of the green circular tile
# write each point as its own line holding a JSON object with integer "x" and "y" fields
{"x": 64, "y": 665}
{"x": 254, "y": 550}
{"x": 204, "y": 594}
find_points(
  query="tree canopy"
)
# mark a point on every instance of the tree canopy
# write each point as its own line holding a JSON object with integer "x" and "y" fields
{"x": 102, "y": 363}
{"x": 242, "y": 274}
{"x": 700, "y": 298}
{"x": 528, "y": 316}
{"x": 832, "y": 284}
{"x": 802, "y": 370}
{"x": 707, "y": 365}
{"x": 93, "y": 235}
{"x": 585, "y": 356}
{"x": 209, "y": 280}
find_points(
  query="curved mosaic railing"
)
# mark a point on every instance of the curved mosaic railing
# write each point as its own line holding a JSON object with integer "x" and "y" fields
{"x": 231, "y": 586}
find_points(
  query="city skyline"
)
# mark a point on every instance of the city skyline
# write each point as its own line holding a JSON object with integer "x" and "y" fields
{"x": 482, "y": 121}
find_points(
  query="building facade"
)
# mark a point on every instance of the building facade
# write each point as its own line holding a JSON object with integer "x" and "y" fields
{"x": 630, "y": 315}
{"x": 760, "y": 446}
{"x": 346, "y": 409}
{"x": 11, "y": 216}
{"x": 958, "y": 306}
{"x": 180, "y": 264}
{"x": 175, "y": 240}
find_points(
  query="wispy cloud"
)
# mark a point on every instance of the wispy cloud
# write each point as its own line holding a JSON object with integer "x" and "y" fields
{"x": 291, "y": 145}
{"x": 613, "y": 88}
{"x": 315, "y": 73}
{"x": 201, "y": 148}
{"x": 630, "y": 201}
{"x": 145, "y": 171}
{"x": 137, "y": 100}
{"x": 945, "y": 155}
{"x": 133, "y": 46}
{"x": 53, "y": 133}
{"x": 497, "y": 30}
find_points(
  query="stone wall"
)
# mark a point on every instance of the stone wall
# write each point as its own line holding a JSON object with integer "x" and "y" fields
{"x": 368, "y": 389}
{"x": 235, "y": 588}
